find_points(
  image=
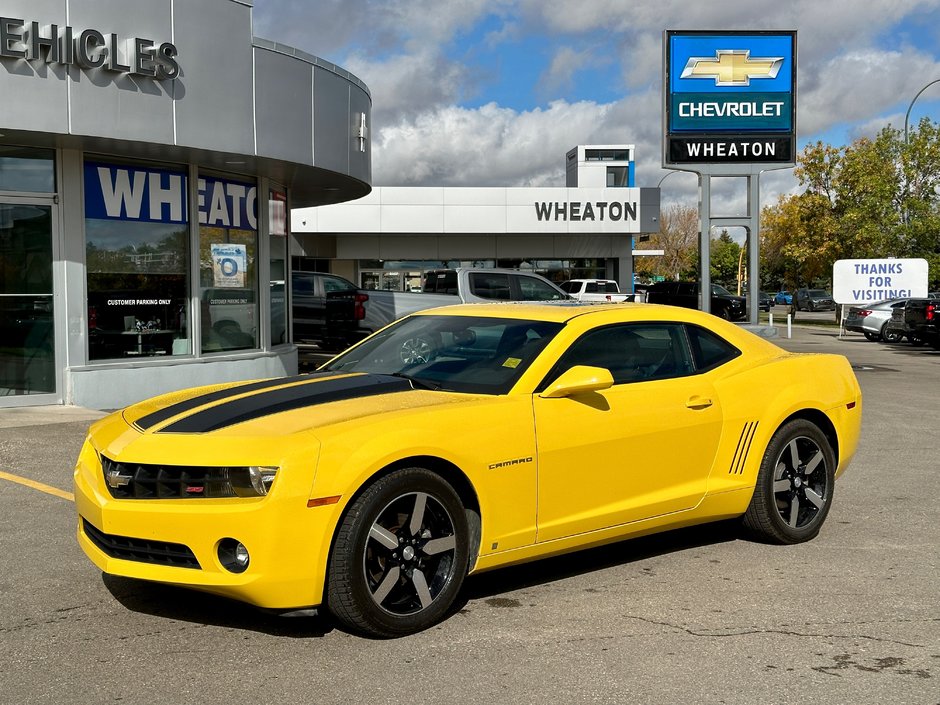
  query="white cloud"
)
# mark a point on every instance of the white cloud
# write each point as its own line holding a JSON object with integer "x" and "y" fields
{"x": 488, "y": 146}
{"x": 856, "y": 74}
{"x": 566, "y": 62}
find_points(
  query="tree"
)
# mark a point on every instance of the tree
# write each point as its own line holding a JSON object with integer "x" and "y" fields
{"x": 875, "y": 198}
{"x": 724, "y": 260}
{"x": 678, "y": 238}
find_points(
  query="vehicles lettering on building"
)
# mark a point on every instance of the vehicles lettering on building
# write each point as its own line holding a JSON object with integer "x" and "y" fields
{"x": 88, "y": 48}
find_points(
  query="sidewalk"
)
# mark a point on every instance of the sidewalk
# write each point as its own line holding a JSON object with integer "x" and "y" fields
{"x": 43, "y": 415}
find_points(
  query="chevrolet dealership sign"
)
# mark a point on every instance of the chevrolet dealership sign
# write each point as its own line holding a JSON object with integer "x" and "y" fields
{"x": 730, "y": 97}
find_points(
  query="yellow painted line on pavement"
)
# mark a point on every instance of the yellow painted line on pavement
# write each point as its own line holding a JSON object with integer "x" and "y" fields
{"x": 48, "y": 489}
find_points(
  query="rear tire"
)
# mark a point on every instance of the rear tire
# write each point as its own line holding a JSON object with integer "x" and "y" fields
{"x": 874, "y": 337}
{"x": 794, "y": 485}
{"x": 890, "y": 336}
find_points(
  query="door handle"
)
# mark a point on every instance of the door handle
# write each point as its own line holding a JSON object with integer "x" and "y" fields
{"x": 698, "y": 402}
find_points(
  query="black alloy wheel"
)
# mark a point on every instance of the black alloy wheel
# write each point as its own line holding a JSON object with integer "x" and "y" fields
{"x": 890, "y": 336}
{"x": 794, "y": 486}
{"x": 400, "y": 555}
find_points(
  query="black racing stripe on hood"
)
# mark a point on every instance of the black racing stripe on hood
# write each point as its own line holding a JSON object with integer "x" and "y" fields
{"x": 161, "y": 415}
{"x": 287, "y": 399}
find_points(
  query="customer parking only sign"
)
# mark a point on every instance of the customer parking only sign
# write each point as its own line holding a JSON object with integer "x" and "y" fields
{"x": 865, "y": 281}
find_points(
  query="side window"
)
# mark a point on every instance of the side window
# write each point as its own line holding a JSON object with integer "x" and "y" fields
{"x": 636, "y": 352}
{"x": 440, "y": 282}
{"x": 532, "y": 289}
{"x": 686, "y": 289}
{"x": 709, "y": 350}
{"x": 490, "y": 285}
{"x": 302, "y": 284}
{"x": 336, "y": 284}
{"x": 591, "y": 288}
{"x": 570, "y": 287}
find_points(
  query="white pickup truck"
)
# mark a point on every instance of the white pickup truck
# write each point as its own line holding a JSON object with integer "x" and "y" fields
{"x": 595, "y": 290}
{"x": 443, "y": 287}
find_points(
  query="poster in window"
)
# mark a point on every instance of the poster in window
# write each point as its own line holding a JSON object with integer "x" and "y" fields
{"x": 229, "y": 263}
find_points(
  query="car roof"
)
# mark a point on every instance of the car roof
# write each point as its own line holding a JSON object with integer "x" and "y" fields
{"x": 609, "y": 313}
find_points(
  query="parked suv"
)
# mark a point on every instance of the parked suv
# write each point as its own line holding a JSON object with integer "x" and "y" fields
{"x": 814, "y": 300}
{"x": 723, "y": 304}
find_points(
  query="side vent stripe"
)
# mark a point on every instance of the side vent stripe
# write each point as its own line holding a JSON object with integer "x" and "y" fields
{"x": 744, "y": 447}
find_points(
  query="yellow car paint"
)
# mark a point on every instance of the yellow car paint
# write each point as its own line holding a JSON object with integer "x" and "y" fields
{"x": 546, "y": 475}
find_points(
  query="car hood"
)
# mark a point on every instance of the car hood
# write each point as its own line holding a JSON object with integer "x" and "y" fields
{"x": 280, "y": 407}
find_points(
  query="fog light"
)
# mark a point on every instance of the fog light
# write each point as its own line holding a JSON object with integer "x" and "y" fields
{"x": 233, "y": 555}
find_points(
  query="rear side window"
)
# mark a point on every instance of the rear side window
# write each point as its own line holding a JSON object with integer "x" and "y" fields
{"x": 709, "y": 350}
{"x": 337, "y": 284}
{"x": 440, "y": 282}
{"x": 489, "y": 285}
{"x": 570, "y": 287}
{"x": 532, "y": 289}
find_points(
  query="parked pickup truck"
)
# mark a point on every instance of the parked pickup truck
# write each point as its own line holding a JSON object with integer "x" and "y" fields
{"x": 723, "y": 302}
{"x": 444, "y": 287}
{"x": 595, "y": 290}
{"x": 326, "y": 310}
{"x": 922, "y": 319}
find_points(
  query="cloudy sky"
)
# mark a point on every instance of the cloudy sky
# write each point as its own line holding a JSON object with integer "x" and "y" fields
{"x": 495, "y": 92}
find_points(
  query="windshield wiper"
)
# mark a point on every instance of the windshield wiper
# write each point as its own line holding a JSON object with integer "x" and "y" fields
{"x": 417, "y": 383}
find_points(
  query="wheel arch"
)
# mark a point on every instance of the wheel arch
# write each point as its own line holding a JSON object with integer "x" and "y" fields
{"x": 449, "y": 473}
{"x": 821, "y": 421}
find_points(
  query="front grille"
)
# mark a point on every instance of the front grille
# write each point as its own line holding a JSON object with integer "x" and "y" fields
{"x": 136, "y": 481}
{"x": 141, "y": 550}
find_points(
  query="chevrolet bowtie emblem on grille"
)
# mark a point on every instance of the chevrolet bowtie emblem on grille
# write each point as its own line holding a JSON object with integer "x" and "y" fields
{"x": 732, "y": 67}
{"x": 116, "y": 479}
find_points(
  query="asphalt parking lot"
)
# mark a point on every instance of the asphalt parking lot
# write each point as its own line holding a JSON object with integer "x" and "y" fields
{"x": 697, "y": 615}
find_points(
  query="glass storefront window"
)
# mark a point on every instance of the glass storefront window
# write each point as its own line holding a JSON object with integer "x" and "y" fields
{"x": 27, "y": 340}
{"x": 27, "y": 170}
{"x": 277, "y": 244}
{"x": 228, "y": 273}
{"x": 137, "y": 253}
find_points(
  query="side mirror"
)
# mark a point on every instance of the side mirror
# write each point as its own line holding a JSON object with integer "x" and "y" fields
{"x": 580, "y": 379}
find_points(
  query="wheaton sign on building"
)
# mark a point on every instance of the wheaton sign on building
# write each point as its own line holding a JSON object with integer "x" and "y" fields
{"x": 730, "y": 97}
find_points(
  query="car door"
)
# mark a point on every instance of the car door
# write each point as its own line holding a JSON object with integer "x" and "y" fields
{"x": 642, "y": 448}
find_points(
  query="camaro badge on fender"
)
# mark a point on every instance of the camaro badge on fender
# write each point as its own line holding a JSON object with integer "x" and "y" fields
{"x": 507, "y": 463}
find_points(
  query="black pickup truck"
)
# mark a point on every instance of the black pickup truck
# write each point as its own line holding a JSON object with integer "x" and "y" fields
{"x": 922, "y": 319}
{"x": 685, "y": 294}
{"x": 326, "y": 310}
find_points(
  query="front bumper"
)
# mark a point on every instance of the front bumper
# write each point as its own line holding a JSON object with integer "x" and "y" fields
{"x": 288, "y": 542}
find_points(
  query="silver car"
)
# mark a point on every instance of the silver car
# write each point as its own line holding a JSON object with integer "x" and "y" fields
{"x": 871, "y": 319}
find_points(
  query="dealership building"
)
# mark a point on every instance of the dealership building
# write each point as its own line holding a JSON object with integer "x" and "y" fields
{"x": 150, "y": 154}
{"x": 585, "y": 229}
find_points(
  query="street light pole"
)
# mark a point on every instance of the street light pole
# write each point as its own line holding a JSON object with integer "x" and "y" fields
{"x": 907, "y": 115}
{"x": 905, "y": 216}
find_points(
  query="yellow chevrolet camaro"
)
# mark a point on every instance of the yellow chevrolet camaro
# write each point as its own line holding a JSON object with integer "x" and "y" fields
{"x": 463, "y": 439}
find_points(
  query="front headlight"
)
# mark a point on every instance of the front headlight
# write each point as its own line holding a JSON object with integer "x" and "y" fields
{"x": 260, "y": 480}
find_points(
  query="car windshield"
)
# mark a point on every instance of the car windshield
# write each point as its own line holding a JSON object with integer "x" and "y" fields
{"x": 817, "y": 292}
{"x": 719, "y": 290}
{"x": 472, "y": 354}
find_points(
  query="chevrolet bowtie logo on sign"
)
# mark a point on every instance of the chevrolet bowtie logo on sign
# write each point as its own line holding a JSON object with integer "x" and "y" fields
{"x": 730, "y": 97}
{"x": 732, "y": 67}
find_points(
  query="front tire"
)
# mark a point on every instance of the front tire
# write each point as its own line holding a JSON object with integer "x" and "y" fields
{"x": 794, "y": 485}
{"x": 400, "y": 555}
